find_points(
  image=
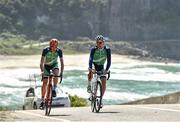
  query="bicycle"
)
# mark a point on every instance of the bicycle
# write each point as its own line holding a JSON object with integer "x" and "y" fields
{"x": 48, "y": 95}
{"x": 96, "y": 91}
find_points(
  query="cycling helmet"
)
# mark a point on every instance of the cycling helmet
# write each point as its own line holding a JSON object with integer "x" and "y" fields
{"x": 53, "y": 42}
{"x": 99, "y": 37}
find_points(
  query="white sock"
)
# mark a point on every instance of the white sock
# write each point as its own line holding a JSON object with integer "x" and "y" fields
{"x": 54, "y": 87}
{"x": 89, "y": 83}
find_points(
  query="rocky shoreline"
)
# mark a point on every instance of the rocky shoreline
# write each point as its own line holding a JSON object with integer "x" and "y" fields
{"x": 155, "y": 59}
{"x": 144, "y": 51}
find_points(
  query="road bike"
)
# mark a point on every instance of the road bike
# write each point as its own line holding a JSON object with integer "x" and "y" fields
{"x": 96, "y": 91}
{"x": 48, "y": 95}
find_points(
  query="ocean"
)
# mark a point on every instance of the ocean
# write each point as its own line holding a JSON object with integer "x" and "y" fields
{"x": 128, "y": 82}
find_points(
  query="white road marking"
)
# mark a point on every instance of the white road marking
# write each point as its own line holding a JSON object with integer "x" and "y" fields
{"x": 162, "y": 109}
{"x": 46, "y": 117}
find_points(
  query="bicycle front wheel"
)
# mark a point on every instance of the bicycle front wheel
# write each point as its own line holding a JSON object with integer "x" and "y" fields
{"x": 48, "y": 100}
{"x": 92, "y": 104}
{"x": 98, "y": 98}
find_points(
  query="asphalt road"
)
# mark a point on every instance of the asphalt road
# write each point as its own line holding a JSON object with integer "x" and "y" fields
{"x": 158, "y": 112}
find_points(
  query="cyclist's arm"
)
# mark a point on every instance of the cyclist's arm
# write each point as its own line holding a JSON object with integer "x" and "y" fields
{"x": 44, "y": 52}
{"x": 42, "y": 63}
{"x": 91, "y": 58}
{"x": 60, "y": 53}
{"x": 62, "y": 64}
{"x": 108, "y": 59}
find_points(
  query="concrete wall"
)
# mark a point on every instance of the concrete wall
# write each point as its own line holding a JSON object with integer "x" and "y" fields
{"x": 173, "y": 98}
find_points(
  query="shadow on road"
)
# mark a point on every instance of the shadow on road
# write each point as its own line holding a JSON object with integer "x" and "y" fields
{"x": 60, "y": 115}
{"x": 111, "y": 112}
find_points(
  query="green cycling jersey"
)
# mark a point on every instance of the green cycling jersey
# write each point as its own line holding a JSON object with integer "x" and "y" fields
{"x": 100, "y": 56}
{"x": 51, "y": 57}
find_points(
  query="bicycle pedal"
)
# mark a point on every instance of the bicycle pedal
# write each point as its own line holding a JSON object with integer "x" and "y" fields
{"x": 54, "y": 93}
{"x": 90, "y": 98}
{"x": 41, "y": 107}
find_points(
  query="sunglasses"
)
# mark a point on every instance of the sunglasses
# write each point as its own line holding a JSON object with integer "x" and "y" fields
{"x": 99, "y": 42}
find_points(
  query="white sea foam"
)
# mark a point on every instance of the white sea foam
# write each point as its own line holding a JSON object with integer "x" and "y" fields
{"x": 13, "y": 82}
{"x": 123, "y": 96}
{"x": 68, "y": 68}
{"x": 145, "y": 74}
{"x": 127, "y": 96}
{"x": 76, "y": 91}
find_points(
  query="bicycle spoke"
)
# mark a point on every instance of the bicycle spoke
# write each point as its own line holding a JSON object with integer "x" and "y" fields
{"x": 98, "y": 97}
{"x": 48, "y": 100}
{"x": 92, "y": 105}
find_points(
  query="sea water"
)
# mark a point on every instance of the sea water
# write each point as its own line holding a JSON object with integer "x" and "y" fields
{"x": 128, "y": 82}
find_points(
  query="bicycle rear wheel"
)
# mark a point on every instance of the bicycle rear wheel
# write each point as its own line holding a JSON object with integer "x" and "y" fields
{"x": 98, "y": 98}
{"x": 48, "y": 100}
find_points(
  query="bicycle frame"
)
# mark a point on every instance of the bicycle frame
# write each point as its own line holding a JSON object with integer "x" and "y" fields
{"x": 94, "y": 84}
{"x": 48, "y": 95}
{"x": 96, "y": 91}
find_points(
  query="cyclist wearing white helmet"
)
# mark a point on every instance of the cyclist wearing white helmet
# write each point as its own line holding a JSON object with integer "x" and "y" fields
{"x": 98, "y": 56}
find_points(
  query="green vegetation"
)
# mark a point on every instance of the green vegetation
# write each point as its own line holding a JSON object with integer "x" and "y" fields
{"x": 68, "y": 19}
{"x": 3, "y": 108}
{"x": 77, "y": 47}
{"x": 77, "y": 101}
{"x": 50, "y": 18}
{"x": 27, "y": 51}
{"x": 11, "y": 44}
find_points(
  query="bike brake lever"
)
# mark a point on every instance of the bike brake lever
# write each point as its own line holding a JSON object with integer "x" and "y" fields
{"x": 60, "y": 80}
{"x": 108, "y": 75}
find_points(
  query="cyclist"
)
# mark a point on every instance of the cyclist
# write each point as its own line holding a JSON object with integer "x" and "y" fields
{"x": 98, "y": 56}
{"x": 49, "y": 61}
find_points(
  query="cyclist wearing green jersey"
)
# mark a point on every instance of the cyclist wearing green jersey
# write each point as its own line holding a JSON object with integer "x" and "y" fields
{"x": 98, "y": 56}
{"x": 49, "y": 61}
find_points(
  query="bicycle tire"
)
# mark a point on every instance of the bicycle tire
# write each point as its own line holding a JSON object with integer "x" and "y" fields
{"x": 93, "y": 95}
{"x": 98, "y": 98}
{"x": 48, "y": 100}
{"x": 92, "y": 104}
{"x": 34, "y": 105}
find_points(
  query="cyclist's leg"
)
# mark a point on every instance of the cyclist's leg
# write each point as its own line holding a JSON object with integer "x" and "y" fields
{"x": 103, "y": 81}
{"x": 103, "y": 78}
{"x": 43, "y": 92}
{"x": 55, "y": 69}
{"x": 44, "y": 86}
{"x": 55, "y": 80}
{"x": 90, "y": 76}
{"x": 56, "y": 72}
{"x": 43, "y": 89}
{"x": 45, "y": 80}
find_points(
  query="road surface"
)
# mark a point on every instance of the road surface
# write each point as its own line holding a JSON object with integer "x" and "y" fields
{"x": 113, "y": 113}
